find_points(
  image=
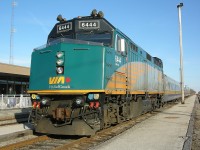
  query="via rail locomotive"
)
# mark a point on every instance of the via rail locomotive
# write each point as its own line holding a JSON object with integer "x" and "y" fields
{"x": 90, "y": 76}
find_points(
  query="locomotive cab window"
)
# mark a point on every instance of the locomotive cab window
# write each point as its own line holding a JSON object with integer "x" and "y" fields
{"x": 68, "y": 36}
{"x": 104, "y": 37}
{"x": 118, "y": 43}
{"x": 121, "y": 45}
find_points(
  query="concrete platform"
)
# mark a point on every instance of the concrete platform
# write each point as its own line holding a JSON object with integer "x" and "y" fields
{"x": 7, "y": 114}
{"x": 10, "y": 116}
{"x": 8, "y": 132}
{"x": 164, "y": 131}
{"x": 13, "y": 131}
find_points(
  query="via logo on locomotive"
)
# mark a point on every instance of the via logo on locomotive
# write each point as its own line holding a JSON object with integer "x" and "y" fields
{"x": 59, "y": 80}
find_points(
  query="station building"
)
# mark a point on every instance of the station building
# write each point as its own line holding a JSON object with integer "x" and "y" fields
{"x": 14, "y": 79}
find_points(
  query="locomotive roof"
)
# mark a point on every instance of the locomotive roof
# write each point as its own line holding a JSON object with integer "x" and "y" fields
{"x": 102, "y": 25}
{"x": 74, "y": 25}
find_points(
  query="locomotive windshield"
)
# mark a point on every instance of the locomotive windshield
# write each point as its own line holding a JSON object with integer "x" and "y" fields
{"x": 104, "y": 38}
{"x": 68, "y": 36}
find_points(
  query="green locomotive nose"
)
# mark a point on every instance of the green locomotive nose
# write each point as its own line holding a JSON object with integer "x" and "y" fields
{"x": 70, "y": 67}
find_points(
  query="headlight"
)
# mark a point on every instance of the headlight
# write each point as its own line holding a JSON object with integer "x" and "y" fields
{"x": 60, "y": 62}
{"x": 78, "y": 101}
{"x": 59, "y": 54}
{"x": 60, "y": 70}
{"x": 96, "y": 96}
{"x": 44, "y": 101}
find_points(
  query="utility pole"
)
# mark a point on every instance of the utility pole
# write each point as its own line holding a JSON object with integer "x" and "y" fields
{"x": 12, "y": 31}
{"x": 181, "y": 54}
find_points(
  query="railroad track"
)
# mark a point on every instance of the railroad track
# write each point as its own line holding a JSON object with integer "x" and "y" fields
{"x": 40, "y": 143}
{"x": 78, "y": 143}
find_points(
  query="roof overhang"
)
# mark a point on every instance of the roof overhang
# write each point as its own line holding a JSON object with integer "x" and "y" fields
{"x": 13, "y": 69}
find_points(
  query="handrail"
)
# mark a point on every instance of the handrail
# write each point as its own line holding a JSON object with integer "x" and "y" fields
{"x": 10, "y": 101}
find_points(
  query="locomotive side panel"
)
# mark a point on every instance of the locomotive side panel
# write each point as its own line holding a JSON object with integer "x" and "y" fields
{"x": 131, "y": 69}
{"x": 146, "y": 78}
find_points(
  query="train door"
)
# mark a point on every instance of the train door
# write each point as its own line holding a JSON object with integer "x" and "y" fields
{"x": 130, "y": 56}
{"x": 128, "y": 68}
{"x": 121, "y": 59}
{"x": 146, "y": 76}
{"x": 136, "y": 86}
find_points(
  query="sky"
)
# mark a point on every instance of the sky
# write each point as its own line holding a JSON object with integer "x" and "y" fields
{"x": 151, "y": 24}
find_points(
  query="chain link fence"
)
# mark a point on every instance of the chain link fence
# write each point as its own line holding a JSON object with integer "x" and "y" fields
{"x": 15, "y": 101}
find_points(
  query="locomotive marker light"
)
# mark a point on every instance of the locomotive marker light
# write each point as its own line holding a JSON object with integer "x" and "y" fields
{"x": 181, "y": 53}
{"x": 96, "y": 96}
{"x": 90, "y": 96}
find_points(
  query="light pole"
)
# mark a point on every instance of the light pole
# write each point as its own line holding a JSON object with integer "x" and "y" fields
{"x": 12, "y": 31}
{"x": 181, "y": 53}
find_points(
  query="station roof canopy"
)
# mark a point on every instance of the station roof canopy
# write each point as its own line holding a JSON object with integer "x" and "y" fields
{"x": 14, "y": 70}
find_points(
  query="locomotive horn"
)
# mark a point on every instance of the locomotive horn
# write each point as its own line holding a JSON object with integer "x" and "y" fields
{"x": 94, "y": 13}
{"x": 100, "y": 14}
{"x": 60, "y": 18}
